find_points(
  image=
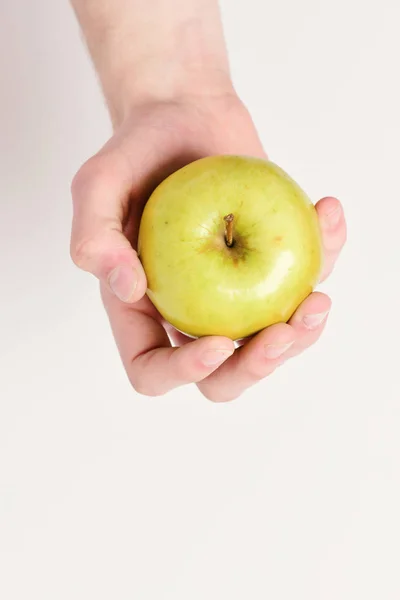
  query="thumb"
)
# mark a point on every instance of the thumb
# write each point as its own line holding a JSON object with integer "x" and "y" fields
{"x": 101, "y": 194}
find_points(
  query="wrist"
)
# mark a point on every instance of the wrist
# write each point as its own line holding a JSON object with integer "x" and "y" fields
{"x": 154, "y": 82}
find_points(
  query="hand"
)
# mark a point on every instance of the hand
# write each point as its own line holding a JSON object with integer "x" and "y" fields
{"x": 109, "y": 193}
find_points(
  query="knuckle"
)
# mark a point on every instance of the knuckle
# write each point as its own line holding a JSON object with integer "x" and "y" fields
{"x": 145, "y": 388}
{"x": 264, "y": 369}
{"x": 144, "y": 385}
{"x": 88, "y": 179}
{"x": 81, "y": 178}
{"x": 82, "y": 251}
{"x": 217, "y": 397}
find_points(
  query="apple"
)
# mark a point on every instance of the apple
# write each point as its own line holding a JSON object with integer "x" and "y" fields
{"x": 229, "y": 245}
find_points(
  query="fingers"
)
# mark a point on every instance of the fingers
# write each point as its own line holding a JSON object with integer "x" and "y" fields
{"x": 309, "y": 321}
{"x": 100, "y": 193}
{"x": 333, "y": 230}
{"x": 153, "y": 366}
{"x": 268, "y": 350}
{"x": 250, "y": 363}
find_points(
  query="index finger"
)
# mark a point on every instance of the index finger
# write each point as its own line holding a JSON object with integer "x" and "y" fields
{"x": 100, "y": 193}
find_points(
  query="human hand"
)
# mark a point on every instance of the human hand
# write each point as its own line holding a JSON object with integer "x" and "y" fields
{"x": 109, "y": 192}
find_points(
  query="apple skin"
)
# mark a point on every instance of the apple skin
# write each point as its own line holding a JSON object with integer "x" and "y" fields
{"x": 203, "y": 287}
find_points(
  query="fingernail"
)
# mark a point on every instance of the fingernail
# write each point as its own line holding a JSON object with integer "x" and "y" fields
{"x": 333, "y": 217}
{"x": 276, "y": 350}
{"x": 312, "y": 321}
{"x": 215, "y": 357}
{"x": 123, "y": 281}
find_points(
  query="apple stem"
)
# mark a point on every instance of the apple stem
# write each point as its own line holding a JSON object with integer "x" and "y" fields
{"x": 229, "y": 230}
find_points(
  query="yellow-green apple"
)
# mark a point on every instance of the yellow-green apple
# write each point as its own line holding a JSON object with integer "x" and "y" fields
{"x": 229, "y": 245}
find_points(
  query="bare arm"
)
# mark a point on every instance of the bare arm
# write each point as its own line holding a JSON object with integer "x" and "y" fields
{"x": 162, "y": 49}
{"x": 164, "y": 72}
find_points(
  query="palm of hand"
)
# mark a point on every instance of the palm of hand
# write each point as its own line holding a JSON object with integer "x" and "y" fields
{"x": 114, "y": 185}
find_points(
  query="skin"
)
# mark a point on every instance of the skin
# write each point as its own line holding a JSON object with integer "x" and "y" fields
{"x": 230, "y": 245}
{"x": 164, "y": 74}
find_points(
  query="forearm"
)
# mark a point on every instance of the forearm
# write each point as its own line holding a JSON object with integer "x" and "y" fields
{"x": 154, "y": 50}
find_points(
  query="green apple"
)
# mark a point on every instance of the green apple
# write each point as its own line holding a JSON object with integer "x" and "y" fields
{"x": 229, "y": 245}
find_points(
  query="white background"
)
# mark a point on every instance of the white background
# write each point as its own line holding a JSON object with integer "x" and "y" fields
{"x": 291, "y": 492}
